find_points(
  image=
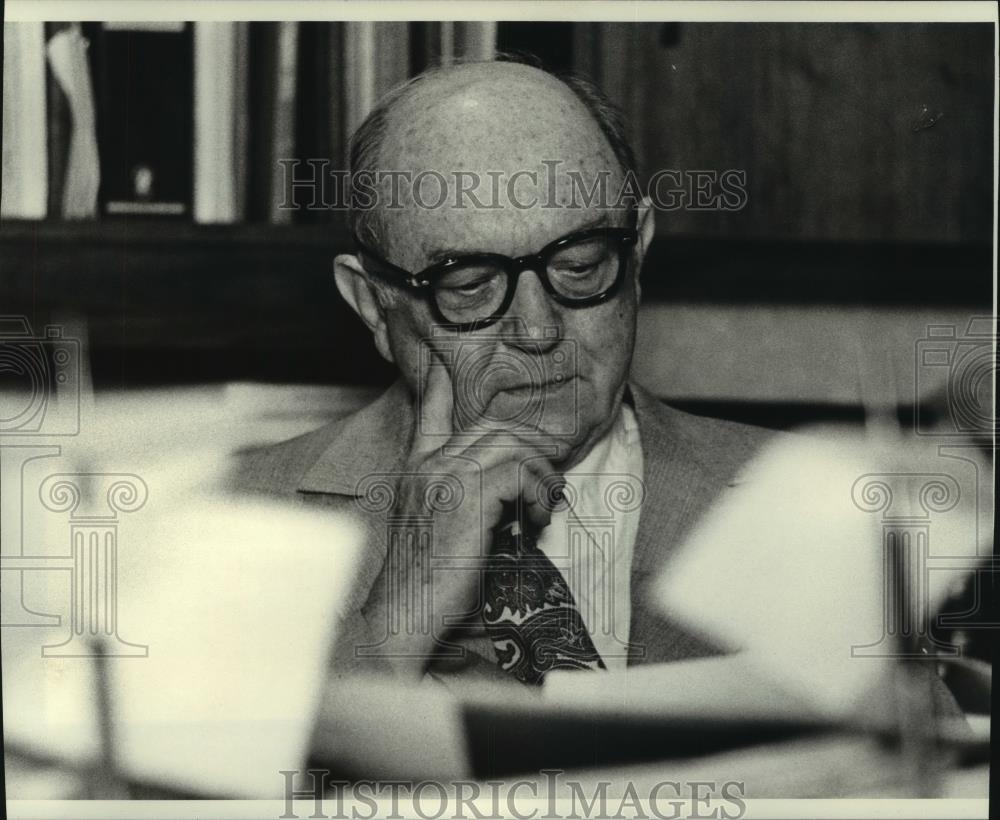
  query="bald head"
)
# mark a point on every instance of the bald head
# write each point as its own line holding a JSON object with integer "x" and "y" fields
{"x": 491, "y": 114}
{"x": 483, "y": 137}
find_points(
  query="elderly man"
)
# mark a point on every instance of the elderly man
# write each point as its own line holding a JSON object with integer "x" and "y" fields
{"x": 510, "y": 312}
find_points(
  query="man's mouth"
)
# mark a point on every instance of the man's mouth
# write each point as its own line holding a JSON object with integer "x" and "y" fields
{"x": 526, "y": 390}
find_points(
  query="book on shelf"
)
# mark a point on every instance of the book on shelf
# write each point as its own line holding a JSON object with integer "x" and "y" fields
{"x": 25, "y": 161}
{"x": 272, "y": 105}
{"x": 68, "y": 59}
{"x": 197, "y": 121}
{"x": 59, "y": 124}
{"x": 145, "y": 114}
{"x": 221, "y": 67}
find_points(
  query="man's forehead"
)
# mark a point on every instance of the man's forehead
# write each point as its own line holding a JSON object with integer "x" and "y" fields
{"x": 429, "y": 237}
{"x": 491, "y": 116}
{"x": 493, "y": 150}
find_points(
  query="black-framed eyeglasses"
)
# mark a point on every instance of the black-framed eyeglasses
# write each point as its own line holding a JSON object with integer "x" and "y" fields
{"x": 474, "y": 291}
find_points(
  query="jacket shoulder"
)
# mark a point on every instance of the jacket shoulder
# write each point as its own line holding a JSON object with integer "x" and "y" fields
{"x": 278, "y": 469}
{"x": 356, "y": 441}
{"x": 719, "y": 444}
{"x": 715, "y": 449}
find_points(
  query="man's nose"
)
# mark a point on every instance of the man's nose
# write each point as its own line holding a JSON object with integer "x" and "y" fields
{"x": 533, "y": 315}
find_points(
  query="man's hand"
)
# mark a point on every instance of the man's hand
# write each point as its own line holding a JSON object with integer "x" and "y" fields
{"x": 491, "y": 468}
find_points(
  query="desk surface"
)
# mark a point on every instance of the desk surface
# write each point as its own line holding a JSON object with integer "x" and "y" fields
{"x": 828, "y": 768}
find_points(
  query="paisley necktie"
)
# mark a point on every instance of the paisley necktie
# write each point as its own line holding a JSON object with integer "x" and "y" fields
{"x": 528, "y": 609}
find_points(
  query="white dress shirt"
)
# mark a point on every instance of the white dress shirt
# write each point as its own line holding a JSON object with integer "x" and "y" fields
{"x": 592, "y": 538}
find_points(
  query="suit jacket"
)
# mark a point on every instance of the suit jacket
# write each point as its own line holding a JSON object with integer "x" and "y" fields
{"x": 689, "y": 461}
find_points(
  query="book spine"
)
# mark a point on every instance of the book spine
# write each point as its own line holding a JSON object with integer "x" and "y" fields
{"x": 67, "y": 57}
{"x": 263, "y": 62}
{"x": 337, "y": 137}
{"x": 221, "y": 54}
{"x": 283, "y": 140}
{"x": 24, "y": 188}
{"x": 476, "y": 40}
{"x": 376, "y": 59}
{"x": 359, "y": 73}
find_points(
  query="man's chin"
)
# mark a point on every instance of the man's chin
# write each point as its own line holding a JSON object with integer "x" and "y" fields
{"x": 562, "y": 441}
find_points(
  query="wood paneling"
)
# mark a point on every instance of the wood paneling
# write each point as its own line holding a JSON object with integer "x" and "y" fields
{"x": 792, "y": 353}
{"x": 846, "y": 131}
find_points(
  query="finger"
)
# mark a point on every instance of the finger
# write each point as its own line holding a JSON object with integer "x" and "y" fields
{"x": 530, "y": 479}
{"x": 493, "y": 446}
{"x": 502, "y": 457}
{"x": 540, "y": 483}
{"x": 435, "y": 404}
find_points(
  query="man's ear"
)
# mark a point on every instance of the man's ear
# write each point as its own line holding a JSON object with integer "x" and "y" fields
{"x": 646, "y": 227}
{"x": 359, "y": 292}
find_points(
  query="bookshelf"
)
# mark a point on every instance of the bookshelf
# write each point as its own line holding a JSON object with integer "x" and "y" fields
{"x": 192, "y": 121}
{"x": 866, "y": 148}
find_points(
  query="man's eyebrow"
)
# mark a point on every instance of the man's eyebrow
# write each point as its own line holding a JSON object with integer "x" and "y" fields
{"x": 599, "y": 221}
{"x": 441, "y": 254}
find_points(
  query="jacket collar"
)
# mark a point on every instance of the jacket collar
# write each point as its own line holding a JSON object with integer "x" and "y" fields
{"x": 372, "y": 440}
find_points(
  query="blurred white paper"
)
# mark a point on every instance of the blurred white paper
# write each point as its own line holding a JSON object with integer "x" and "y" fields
{"x": 384, "y": 727}
{"x": 789, "y": 565}
{"x": 727, "y": 688}
{"x": 236, "y": 601}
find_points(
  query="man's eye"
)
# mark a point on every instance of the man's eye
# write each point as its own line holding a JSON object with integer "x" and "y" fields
{"x": 466, "y": 288}
{"x": 575, "y": 269}
{"x": 469, "y": 289}
{"x": 467, "y": 282}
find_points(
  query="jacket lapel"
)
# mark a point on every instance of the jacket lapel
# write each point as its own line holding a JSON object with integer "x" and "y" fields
{"x": 677, "y": 492}
{"x": 372, "y": 441}
{"x": 362, "y": 459}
